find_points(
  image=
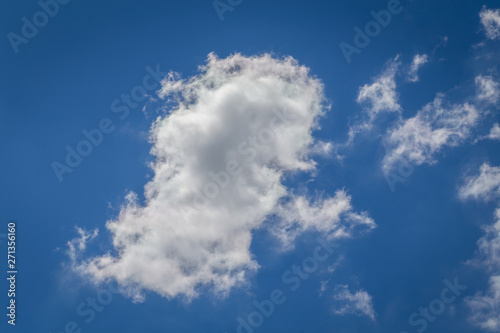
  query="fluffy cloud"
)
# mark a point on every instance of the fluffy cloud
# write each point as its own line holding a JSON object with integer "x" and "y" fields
{"x": 418, "y": 61}
{"x": 488, "y": 89}
{"x": 438, "y": 124}
{"x": 359, "y": 303}
{"x": 485, "y": 308}
{"x": 234, "y": 133}
{"x": 490, "y": 19}
{"x": 381, "y": 95}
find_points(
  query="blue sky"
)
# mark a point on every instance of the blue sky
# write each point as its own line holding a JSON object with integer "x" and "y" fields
{"x": 388, "y": 156}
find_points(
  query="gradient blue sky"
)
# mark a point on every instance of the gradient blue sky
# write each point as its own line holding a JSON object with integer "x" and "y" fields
{"x": 65, "y": 78}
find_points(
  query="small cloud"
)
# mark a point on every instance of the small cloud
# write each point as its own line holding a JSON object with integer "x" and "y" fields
{"x": 322, "y": 289}
{"x": 378, "y": 97}
{"x": 358, "y": 303}
{"x": 485, "y": 309}
{"x": 418, "y": 61}
{"x": 77, "y": 245}
{"x": 494, "y": 132}
{"x": 381, "y": 95}
{"x": 333, "y": 267}
{"x": 437, "y": 125}
{"x": 488, "y": 89}
{"x": 333, "y": 217}
{"x": 484, "y": 186}
{"x": 490, "y": 19}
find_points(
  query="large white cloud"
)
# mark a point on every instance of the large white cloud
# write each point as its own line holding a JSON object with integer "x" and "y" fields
{"x": 235, "y": 132}
{"x": 490, "y": 19}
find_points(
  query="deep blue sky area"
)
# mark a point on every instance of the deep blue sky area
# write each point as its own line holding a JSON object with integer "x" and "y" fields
{"x": 64, "y": 80}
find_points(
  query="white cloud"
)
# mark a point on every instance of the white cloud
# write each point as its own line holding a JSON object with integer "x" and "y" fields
{"x": 79, "y": 244}
{"x": 490, "y": 19}
{"x": 484, "y": 186}
{"x": 322, "y": 288}
{"x": 378, "y": 97}
{"x": 488, "y": 89}
{"x": 418, "y": 61}
{"x": 237, "y": 130}
{"x": 489, "y": 245}
{"x": 485, "y": 308}
{"x": 359, "y": 303}
{"x": 334, "y": 217}
{"x": 438, "y": 124}
{"x": 494, "y": 132}
{"x": 381, "y": 94}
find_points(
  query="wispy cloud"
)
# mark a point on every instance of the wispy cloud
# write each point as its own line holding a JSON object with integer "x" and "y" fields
{"x": 377, "y": 98}
{"x": 358, "y": 303}
{"x": 485, "y": 307}
{"x": 78, "y": 244}
{"x": 416, "y": 64}
{"x": 494, "y": 132}
{"x": 438, "y": 124}
{"x": 381, "y": 96}
{"x": 333, "y": 217}
{"x": 488, "y": 89}
{"x": 484, "y": 186}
